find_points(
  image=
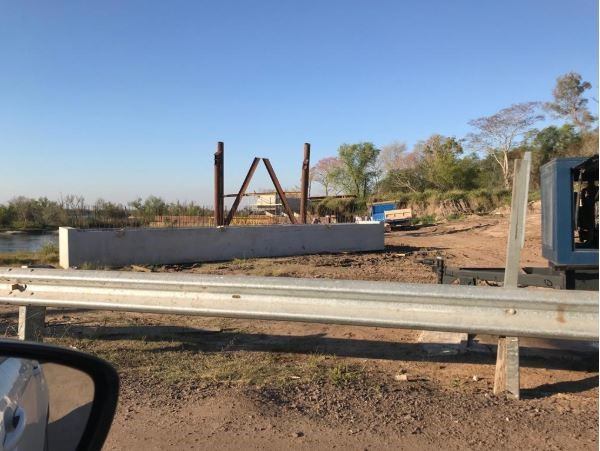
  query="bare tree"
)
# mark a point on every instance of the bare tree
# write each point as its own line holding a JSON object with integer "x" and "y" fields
{"x": 324, "y": 172}
{"x": 499, "y": 134}
{"x": 406, "y": 175}
{"x": 74, "y": 205}
{"x": 399, "y": 166}
{"x": 393, "y": 156}
{"x": 569, "y": 101}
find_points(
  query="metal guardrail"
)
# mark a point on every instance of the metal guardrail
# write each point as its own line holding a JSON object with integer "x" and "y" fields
{"x": 510, "y": 312}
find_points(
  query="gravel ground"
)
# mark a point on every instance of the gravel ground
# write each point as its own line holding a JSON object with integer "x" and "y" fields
{"x": 206, "y": 383}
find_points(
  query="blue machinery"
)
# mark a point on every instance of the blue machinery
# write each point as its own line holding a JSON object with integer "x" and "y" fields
{"x": 569, "y": 191}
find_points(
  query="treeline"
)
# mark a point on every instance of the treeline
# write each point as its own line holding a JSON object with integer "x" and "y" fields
{"x": 24, "y": 213}
{"x": 480, "y": 162}
{"x": 476, "y": 168}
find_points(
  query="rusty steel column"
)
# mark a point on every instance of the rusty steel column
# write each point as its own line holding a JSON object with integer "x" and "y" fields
{"x": 219, "y": 185}
{"x": 305, "y": 182}
{"x": 279, "y": 189}
{"x": 242, "y": 191}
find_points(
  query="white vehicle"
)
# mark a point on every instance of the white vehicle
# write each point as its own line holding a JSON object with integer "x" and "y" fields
{"x": 23, "y": 405}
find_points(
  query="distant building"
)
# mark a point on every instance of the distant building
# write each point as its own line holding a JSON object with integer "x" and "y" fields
{"x": 271, "y": 203}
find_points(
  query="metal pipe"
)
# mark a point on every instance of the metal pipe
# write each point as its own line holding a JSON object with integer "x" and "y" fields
{"x": 510, "y": 312}
{"x": 304, "y": 183}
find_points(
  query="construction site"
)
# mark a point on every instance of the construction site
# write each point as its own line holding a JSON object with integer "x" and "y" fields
{"x": 299, "y": 225}
{"x": 403, "y": 358}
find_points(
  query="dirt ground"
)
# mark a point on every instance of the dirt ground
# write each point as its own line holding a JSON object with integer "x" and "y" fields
{"x": 207, "y": 383}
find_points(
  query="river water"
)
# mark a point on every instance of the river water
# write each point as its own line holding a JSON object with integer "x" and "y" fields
{"x": 26, "y": 242}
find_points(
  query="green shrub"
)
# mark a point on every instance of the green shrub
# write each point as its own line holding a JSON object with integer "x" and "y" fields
{"x": 340, "y": 207}
{"x": 424, "y": 220}
{"x": 455, "y": 217}
{"x": 49, "y": 251}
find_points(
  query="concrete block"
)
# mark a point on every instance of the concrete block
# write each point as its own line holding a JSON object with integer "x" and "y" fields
{"x": 120, "y": 247}
{"x": 443, "y": 343}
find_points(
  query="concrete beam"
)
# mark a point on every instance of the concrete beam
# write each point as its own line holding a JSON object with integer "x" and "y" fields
{"x": 120, "y": 247}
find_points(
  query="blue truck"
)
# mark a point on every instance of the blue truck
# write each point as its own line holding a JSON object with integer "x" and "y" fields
{"x": 389, "y": 213}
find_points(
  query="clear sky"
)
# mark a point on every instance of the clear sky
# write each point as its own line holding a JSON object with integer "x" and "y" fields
{"x": 119, "y": 99}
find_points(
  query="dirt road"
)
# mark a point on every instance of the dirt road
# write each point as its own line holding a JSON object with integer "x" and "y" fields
{"x": 201, "y": 383}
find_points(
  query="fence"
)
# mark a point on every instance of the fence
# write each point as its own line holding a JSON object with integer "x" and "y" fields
{"x": 98, "y": 220}
{"x": 209, "y": 221}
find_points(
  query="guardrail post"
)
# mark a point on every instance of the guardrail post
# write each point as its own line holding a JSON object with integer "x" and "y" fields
{"x": 32, "y": 322}
{"x": 506, "y": 379}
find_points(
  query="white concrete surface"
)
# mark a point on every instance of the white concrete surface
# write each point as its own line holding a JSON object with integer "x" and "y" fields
{"x": 443, "y": 343}
{"x": 119, "y": 247}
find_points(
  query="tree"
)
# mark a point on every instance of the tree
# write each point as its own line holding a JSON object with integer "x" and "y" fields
{"x": 108, "y": 210}
{"x": 324, "y": 172}
{"x": 6, "y": 216}
{"x": 551, "y": 142}
{"x": 569, "y": 101}
{"x": 74, "y": 206}
{"x": 406, "y": 176}
{"x": 149, "y": 208}
{"x": 358, "y": 168}
{"x": 52, "y": 215}
{"x": 27, "y": 212}
{"x": 441, "y": 165}
{"x": 499, "y": 134}
{"x": 393, "y": 156}
{"x": 435, "y": 163}
{"x": 399, "y": 167}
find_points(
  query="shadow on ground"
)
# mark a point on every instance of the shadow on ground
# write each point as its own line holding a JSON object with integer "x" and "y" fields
{"x": 545, "y": 390}
{"x": 200, "y": 340}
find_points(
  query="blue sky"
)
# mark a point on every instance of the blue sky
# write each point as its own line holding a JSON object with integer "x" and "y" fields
{"x": 119, "y": 99}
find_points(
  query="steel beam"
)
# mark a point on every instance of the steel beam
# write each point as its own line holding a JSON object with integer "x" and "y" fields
{"x": 242, "y": 191}
{"x": 279, "y": 189}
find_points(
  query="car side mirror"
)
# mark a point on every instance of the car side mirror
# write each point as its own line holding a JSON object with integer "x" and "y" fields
{"x": 54, "y": 398}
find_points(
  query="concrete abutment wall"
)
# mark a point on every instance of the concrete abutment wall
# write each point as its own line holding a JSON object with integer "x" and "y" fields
{"x": 120, "y": 247}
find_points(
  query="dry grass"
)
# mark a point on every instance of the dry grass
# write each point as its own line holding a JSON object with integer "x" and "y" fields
{"x": 174, "y": 362}
{"x": 47, "y": 255}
